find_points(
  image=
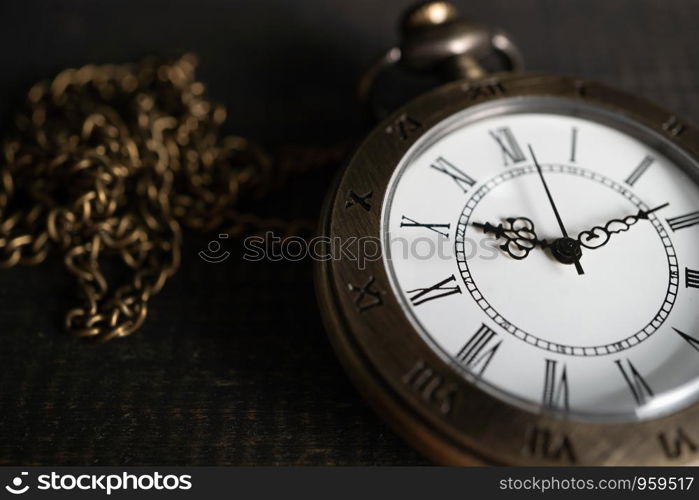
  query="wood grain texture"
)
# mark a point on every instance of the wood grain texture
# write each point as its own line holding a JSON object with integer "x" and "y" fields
{"x": 233, "y": 366}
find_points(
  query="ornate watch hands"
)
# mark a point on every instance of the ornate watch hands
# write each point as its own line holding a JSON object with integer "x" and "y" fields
{"x": 518, "y": 233}
{"x": 519, "y": 237}
{"x": 598, "y": 236}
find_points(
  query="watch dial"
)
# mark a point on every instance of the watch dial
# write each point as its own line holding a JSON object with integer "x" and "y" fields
{"x": 550, "y": 250}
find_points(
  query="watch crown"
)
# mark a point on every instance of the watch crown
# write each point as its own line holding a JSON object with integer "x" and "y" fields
{"x": 436, "y": 39}
{"x": 428, "y": 14}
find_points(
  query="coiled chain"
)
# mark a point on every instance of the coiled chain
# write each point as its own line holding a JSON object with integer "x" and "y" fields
{"x": 107, "y": 164}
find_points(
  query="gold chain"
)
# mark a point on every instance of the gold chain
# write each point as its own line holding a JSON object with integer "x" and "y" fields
{"x": 107, "y": 165}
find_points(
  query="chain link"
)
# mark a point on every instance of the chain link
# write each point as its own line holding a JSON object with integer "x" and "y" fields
{"x": 107, "y": 165}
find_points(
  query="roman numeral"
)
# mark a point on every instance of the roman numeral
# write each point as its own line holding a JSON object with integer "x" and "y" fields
{"x": 508, "y": 144}
{"x": 408, "y": 222}
{"x": 404, "y": 126}
{"x": 479, "y": 350}
{"x": 550, "y": 445}
{"x": 431, "y": 386}
{"x": 555, "y": 387}
{"x": 476, "y": 90}
{"x": 691, "y": 278}
{"x": 639, "y": 388}
{"x": 678, "y": 444}
{"x": 359, "y": 200}
{"x": 573, "y": 143}
{"x": 640, "y": 170}
{"x": 673, "y": 126}
{"x": 683, "y": 221}
{"x": 367, "y": 295}
{"x": 462, "y": 180}
{"x": 691, "y": 340}
{"x": 422, "y": 295}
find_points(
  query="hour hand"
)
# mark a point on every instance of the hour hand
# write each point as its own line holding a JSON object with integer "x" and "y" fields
{"x": 516, "y": 235}
{"x": 599, "y": 236}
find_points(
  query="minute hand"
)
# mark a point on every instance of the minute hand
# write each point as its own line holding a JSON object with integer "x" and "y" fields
{"x": 598, "y": 236}
{"x": 566, "y": 240}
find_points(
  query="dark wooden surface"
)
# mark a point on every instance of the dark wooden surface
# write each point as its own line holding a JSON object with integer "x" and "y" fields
{"x": 233, "y": 366}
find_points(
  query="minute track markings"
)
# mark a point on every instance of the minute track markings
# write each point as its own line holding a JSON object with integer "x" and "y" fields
{"x": 571, "y": 350}
{"x": 605, "y": 307}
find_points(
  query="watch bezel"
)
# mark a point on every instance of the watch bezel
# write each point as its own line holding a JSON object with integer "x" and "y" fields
{"x": 420, "y": 393}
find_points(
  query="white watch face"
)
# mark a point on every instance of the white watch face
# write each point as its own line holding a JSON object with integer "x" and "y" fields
{"x": 550, "y": 251}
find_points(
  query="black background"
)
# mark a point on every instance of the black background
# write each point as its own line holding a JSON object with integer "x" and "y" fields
{"x": 233, "y": 366}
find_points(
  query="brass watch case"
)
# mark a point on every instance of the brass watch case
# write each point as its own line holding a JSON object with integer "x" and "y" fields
{"x": 422, "y": 396}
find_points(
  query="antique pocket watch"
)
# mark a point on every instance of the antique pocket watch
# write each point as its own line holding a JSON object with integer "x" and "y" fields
{"x": 535, "y": 300}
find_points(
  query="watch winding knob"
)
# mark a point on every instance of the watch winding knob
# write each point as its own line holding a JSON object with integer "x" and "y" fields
{"x": 428, "y": 14}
